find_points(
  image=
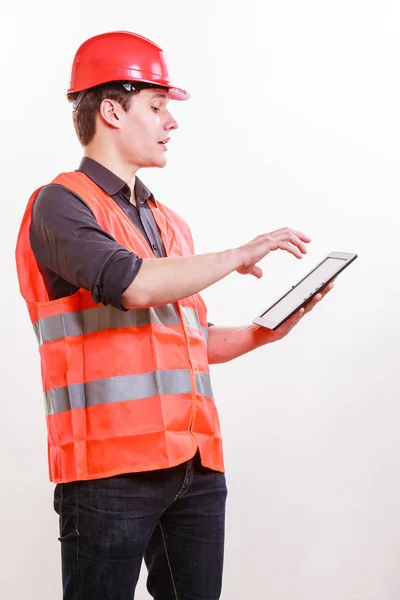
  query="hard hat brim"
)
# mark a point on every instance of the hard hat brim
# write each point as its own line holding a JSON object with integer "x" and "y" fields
{"x": 174, "y": 93}
{"x": 178, "y": 94}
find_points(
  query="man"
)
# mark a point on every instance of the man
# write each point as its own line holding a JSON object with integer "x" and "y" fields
{"x": 112, "y": 287}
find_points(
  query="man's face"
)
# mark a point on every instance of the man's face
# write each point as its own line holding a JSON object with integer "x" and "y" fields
{"x": 145, "y": 129}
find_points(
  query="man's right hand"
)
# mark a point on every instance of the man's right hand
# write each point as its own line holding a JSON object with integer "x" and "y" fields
{"x": 286, "y": 239}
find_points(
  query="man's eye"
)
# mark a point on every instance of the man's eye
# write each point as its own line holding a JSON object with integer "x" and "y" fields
{"x": 155, "y": 108}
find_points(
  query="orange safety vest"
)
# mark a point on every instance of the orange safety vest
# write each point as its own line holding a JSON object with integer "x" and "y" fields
{"x": 124, "y": 391}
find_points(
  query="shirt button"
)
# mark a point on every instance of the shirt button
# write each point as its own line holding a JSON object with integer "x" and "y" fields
{"x": 154, "y": 247}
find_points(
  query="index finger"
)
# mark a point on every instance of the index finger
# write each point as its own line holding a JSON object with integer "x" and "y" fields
{"x": 302, "y": 236}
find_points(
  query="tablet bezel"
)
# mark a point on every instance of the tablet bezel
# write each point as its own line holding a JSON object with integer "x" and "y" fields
{"x": 273, "y": 325}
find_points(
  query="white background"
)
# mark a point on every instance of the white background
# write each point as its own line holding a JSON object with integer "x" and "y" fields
{"x": 293, "y": 121}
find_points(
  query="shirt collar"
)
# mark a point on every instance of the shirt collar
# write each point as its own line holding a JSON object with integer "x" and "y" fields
{"x": 111, "y": 183}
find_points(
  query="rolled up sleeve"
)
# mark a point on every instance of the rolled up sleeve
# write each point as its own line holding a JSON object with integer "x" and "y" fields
{"x": 68, "y": 242}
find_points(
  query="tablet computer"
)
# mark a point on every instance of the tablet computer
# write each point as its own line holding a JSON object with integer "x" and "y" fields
{"x": 300, "y": 293}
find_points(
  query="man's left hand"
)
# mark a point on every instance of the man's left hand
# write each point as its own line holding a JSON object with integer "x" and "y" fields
{"x": 285, "y": 328}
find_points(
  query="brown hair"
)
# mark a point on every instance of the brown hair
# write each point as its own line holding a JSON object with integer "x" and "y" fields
{"x": 84, "y": 117}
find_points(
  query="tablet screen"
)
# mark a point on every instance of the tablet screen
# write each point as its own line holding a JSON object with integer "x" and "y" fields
{"x": 308, "y": 285}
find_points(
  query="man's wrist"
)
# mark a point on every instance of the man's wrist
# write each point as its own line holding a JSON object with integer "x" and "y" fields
{"x": 233, "y": 258}
{"x": 261, "y": 335}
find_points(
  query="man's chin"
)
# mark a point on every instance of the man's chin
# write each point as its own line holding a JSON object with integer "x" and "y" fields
{"x": 161, "y": 163}
{"x": 157, "y": 163}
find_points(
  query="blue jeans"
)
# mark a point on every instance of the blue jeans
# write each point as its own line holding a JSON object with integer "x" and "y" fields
{"x": 173, "y": 518}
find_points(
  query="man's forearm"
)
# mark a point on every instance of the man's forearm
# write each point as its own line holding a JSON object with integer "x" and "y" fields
{"x": 227, "y": 343}
{"x": 165, "y": 280}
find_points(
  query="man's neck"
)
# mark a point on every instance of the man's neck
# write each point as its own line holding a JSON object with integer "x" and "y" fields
{"x": 110, "y": 162}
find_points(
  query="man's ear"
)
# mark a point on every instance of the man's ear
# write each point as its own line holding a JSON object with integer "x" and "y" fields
{"x": 109, "y": 112}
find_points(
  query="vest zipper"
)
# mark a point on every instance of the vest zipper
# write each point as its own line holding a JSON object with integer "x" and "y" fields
{"x": 192, "y": 373}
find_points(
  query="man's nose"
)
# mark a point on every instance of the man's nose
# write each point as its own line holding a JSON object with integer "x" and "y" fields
{"x": 171, "y": 123}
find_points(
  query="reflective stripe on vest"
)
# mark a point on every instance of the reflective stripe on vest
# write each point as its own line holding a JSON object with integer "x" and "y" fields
{"x": 70, "y": 324}
{"x": 120, "y": 389}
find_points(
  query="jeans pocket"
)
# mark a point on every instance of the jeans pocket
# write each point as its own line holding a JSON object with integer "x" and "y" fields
{"x": 58, "y": 498}
{"x": 67, "y": 501}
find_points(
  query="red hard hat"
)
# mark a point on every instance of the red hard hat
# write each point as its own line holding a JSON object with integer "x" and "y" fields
{"x": 121, "y": 56}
